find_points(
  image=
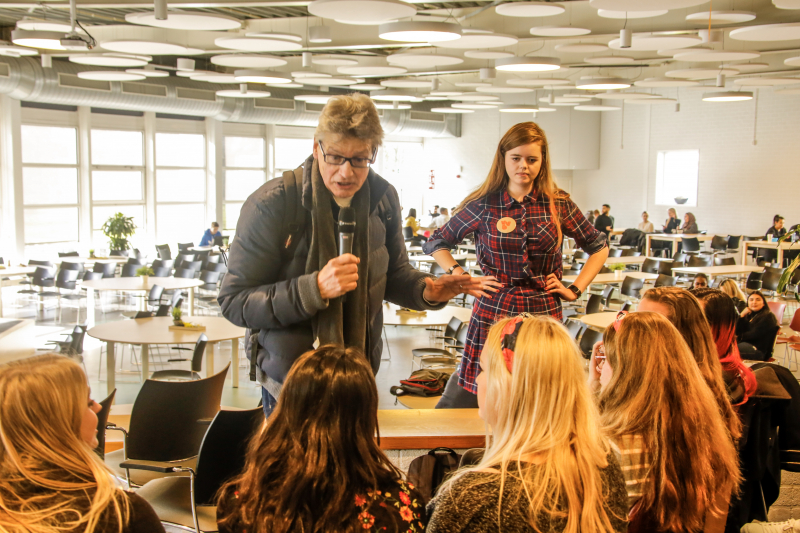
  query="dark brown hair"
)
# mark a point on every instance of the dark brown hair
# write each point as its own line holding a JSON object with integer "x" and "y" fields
{"x": 315, "y": 453}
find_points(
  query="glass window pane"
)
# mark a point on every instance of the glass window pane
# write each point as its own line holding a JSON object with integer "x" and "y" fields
{"x": 180, "y": 223}
{"x": 676, "y": 176}
{"x": 101, "y": 213}
{"x": 239, "y": 184}
{"x": 290, "y": 153}
{"x": 186, "y": 185}
{"x": 49, "y": 185}
{"x": 180, "y": 150}
{"x": 117, "y": 148}
{"x": 244, "y": 152}
{"x": 48, "y": 144}
{"x": 109, "y": 185}
{"x": 52, "y": 224}
{"x": 230, "y": 216}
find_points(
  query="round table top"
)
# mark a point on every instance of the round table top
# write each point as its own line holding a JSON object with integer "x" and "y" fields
{"x": 156, "y": 330}
{"x": 600, "y": 320}
{"x": 138, "y": 284}
{"x": 429, "y": 319}
{"x": 83, "y": 259}
{"x": 612, "y": 278}
{"x": 17, "y": 271}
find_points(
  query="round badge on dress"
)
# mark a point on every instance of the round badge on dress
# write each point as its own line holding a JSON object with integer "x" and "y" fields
{"x": 506, "y": 225}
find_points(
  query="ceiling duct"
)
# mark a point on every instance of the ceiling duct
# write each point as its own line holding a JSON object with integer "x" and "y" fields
{"x": 25, "y": 79}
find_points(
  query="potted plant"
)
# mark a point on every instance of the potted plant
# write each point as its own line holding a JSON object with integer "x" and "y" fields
{"x": 617, "y": 268}
{"x": 91, "y": 253}
{"x": 118, "y": 228}
{"x": 145, "y": 272}
{"x": 176, "y": 316}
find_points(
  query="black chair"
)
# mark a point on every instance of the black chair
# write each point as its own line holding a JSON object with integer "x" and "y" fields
{"x": 129, "y": 271}
{"x": 733, "y": 243}
{"x": 72, "y": 346}
{"x": 438, "y": 357}
{"x": 196, "y": 367}
{"x": 665, "y": 267}
{"x": 163, "y": 251}
{"x": 154, "y": 297}
{"x": 135, "y": 261}
{"x": 161, "y": 272}
{"x": 102, "y": 422}
{"x": 88, "y": 276}
{"x": 189, "y": 503}
{"x": 183, "y": 246}
{"x": 631, "y": 287}
{"x": 118, "y": 253}
{"x": 770, "y": 278}
{"x": 589, "y": 338}
{"x": 605, "y": 270}
{"x": 719, "y": 244}
{"x": 753, "y": 281}
{"x": 164, "y": 424}
{"x": 68, "y": 265}
{"x": 193, "y": 265}
{"x": 664, "y": 281}
{"x": 216, "y": 267}
{"x": 163, "y": 263}
{"x": 615, "y": 252}
{"x": 107, "y": 269}
{"x": 593, "y": 305}
{"x": 68, "y": 254}
{"x": 201, "y": 255}
{"x": 574, "y": 327}
{"x": 43, "y": 278}
{"x": 630, "y": 252}
{"x": 626, "y": 306}
{"x": 699, "y": 261}
{"x": 209, "y": 260}
{"x": 680, "y": 257}
{"x": 606, "y": 293}
{"x": 436, "y": 270}
{"x": 448, "y": 336}
{"x": 580, "y": 254}
{"x": 163, "y": 310}
{"x": 724, "y": 261}
{"x": 185, "y": 273}
{"x": 650, "y": 266}
{"x": 408, "y": 233}
{"x": 183, "y": 257}
{"x": 690, "y": 245}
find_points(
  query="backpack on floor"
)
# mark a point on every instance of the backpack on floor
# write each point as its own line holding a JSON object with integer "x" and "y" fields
{"x": 429, "y": 471}
{"x": 424, "y": 382}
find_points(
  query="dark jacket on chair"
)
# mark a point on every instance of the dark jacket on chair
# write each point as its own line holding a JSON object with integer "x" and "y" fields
{"x": 759, "y": 330}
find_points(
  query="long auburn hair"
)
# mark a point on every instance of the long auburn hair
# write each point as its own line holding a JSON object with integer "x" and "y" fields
{"x": 658, "y": 393}
{"x": 497, "y": 180}
{"x": 543, "y": 408}
{"x": 686, "y": 314}
{"x": 722, "y": 318}
{"x": 50, "y": 479}
{"x": 692, "y": 220}
{"x": 315, "y": 453}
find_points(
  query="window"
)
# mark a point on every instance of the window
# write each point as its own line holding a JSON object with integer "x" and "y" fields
{"x": 290, "y": 153}
{"x": 676, "y": 177}
{"x": 245, "y": 171}
{"x": 50, "y": 184}
{"x": 401, "y": 164}
{"x": 180, "y": 187}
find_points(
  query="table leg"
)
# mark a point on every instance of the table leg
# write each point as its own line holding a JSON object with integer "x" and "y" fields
{"x": 1, "y": 299}
{"x": 90, "y": 307}
{"x": 143, "y": 301}
{"x": 191, "y": 301}
{"x": 235, "y": 362}
{"x": 647, "y": 244}
{"x": 780, "y": 256}
{"x": 110, "y": 366}
{"x": 145, "y": 361}
{"x": 744, "y": 252}
{"x": 210, "y": 359}
{"x": 674, "y": 249}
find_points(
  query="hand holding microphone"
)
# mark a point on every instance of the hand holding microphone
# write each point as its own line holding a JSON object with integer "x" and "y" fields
{"x": 340, "y": 275}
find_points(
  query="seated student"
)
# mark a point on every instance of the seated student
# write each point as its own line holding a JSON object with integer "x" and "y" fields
{"x": 645, "y": 225}
{"x": 672, "y": 222}
{"x": 51, "y": 479}
{"x": 731, "y": 288}
{"x": 776, "y": 230}
{"x": 208, "y": 236}
{"x": 441, "y": 219}
{"x": 689, "y": 224}
{"x": 548, "y": 468}
{"x": 722, "y": 317}
{"x": 680, "y": 463}
{"x": 700, "y": 281}
{"x": 685, "y": 313}
{"x": 756, "y": 329}
{"x": 315, "y": 465}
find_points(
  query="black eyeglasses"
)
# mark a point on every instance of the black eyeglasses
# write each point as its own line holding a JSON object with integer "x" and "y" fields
{"x": 355, "y": 162}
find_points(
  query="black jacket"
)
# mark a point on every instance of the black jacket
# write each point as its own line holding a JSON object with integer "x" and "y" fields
{"x": 261, "y": 291}
{"x": 672, "y": 225}
{"x": 759, "y": 330}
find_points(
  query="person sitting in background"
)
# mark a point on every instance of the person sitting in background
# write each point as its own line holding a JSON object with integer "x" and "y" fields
{"x": 777, "y": 230}
{"x": 434, "y": 212}
{"x": 672, "y": 222}
{"x": 731, "y": 288}
{"x": 315, "y": 465}
{"x": 756, "y": 329}
{"x": 680, "y": 462}
{"x": 51, "y": 478}
{"x": 441, "y": 219}
{"x": 700, "y": 281}
{"x": 548, "y": 467}
{"x": 411, "y": 222}
{"x": 590, "y": 216}
{"x": 208, "y": 236}
{"x": 722, "y": 318}
{"x": 604, "y": 222}
{"x": 645, "y": 225}
{"x": 689, "y": 224}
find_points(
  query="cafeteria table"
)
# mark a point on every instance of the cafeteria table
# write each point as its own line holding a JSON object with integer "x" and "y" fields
{"x": 780, "y": 247}
{"x": 600, "y": 320}
{"x": 14, "y": 274}
{"x": 724, "y": 270}
{"x": 674, "y": 238}
{"x": 614, "y": 278}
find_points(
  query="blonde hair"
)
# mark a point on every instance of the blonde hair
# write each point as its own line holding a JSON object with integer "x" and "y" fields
{"x": 657, "y": 392}
{"x": 50, "y": 479}
{"x": 543, "y": 408}
{"x": 351, "y": 115}
{"x": 732, "y": 289}
{"x": 497, "y": 180}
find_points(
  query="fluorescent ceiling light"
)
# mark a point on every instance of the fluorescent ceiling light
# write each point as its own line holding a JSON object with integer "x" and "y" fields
{"x": 260, "y": 76}
{"x": 419, "y": 32}
{"x": 515, "y": 108}
{"x": 109, "y": 75}
{"x": 48, "y": 40}
{"x": 602, "y": 84}
{"x": 394, "y": 96}
{"x": 181, "y": 20}
{"x": 527, "y": 64}
{"x": 728, "y": 96}
{"x": 529, "y": 9}
{"x": 721, "y": 17}
{"x": 33, "y": 24}
{"x": 361, "y": 10}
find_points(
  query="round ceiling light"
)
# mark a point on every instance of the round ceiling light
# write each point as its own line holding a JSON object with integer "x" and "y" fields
{"x": 559, "y": 31}
{"x": 527, "y": 64}
{"x": 610, "y": 14}
{"x": 700, "y": 56}
{"x": 602, "y": 84}
{"x": 361, "y": 10}
{"x": 792, "y": 61}
{"x": 150, "y": 48}
{"x": 148, "y": 72}
{"x": 728, "y": 96}
{"x": 34, "y": 24}
{"x": 369, "y": 87}
{"x": 609, "y": 60}
{"x": 192, "y": 73}
{"x": 419, "y": 32}
{"x": 275, "y": 35}
{"x": 472, "y": 84}
{"x": 473, "y": 106}
{"x": 768, "y": 32}
{"x": 257, "y": 44}
{"x": 519, "y": 108}
{"x": 451, "y": 110}
{"x": 372, "y": 71}
{"x": 565, "y": 104}
{"x": 327, "y": 82}
{"x": 405, "y": 83}
{"x": 622, "y": 96}
{"x": 633, "y": 5}
{"x": 487, "y": 54}
{"x": 110, "y": 60}
{"x": 334, "y": 60}
{"x": 48, "y": 40}
{"x": 786, "y": 91}
{"x": 481, "y": 40}
{"x": 673, "y": 52}
{"x": 544, "y": 82}
{"x": 564, "y": 100}
{"x": 247, "y": 61}
{"x": 747, "y": 67}
{"x": 647, "y": 42}
{"x": 423, "y": 60}
{"x": 584, "y": 48}
{"x": 9, "y": 50}
{"x": 181, "y": 20}
{"x": 292, "y": 85}
{"x": 314, "y": 98}
{"x": 651, "y": 101}
{"x": 765, "y": 82}
{"x": 664, "y": 82}
{"x": 217, "y": 77}
{"x": 787, "y": 4}
{"x": 529, "y": 9}
{"x": 475, "y": 97}
{"x": 109, "y": 75}
{"x": 394, "y": 96}
{"x": 546, "y": 110}
{"x": 392, "y": 106}
{"x": 445, "y": 93}
{"x": 310, "y": 74}
{"x": 504, "y": 90}
{"x": 260, "y": 76}
{"x": 364, "y": 22}
{"x": 234, "y": 93}
{"x": 596, "y": 106}
{"x": 721, "y": 17}
{"x": 700, "y": 73}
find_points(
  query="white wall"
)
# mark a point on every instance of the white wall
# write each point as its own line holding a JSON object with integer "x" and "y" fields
{"x": 741, "y": 185}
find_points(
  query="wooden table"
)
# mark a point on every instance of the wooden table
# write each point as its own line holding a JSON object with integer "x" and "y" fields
{"x": 79, "y": 259}
{"x": 612, "y": 278}
{"x": 627, "y": 260}
{"x": 724, "y": 270}
{"x": 675, "y": 238}
{"x": 136, "y": 284}
{"x": 17, "y": 339}
{"x": 155, "y": 330}
{"x": 467, "y": 247}
{"x": 429, "y": 319}
{"x": 14, "y": 274}
{"x": 780, "y": 247}
{"x": 600, "y": 320}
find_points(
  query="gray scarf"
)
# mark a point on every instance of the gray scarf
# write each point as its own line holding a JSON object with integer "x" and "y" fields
{"x": 342, "y": 322}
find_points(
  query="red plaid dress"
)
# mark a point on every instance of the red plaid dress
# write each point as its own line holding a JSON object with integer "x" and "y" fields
{"x": 521, "y": 260}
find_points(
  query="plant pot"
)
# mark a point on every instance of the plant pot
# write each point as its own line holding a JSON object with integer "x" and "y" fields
{"x": 618, "y": 274}
{"x": 145, "y": 280}
{"x": 177, "y": 322}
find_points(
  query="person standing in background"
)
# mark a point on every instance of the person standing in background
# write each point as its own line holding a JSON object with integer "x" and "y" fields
{"x": 604, "y": 222}
{"x": 441, "y": 219}
{"x": 645, "y": 225}
{"x": 672, "y": 222}
{"x": 590, "y": 216}
{"x": 208, "y": 236}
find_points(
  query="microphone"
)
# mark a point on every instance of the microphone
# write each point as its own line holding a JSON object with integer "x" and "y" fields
{"x": 347, "y": 228}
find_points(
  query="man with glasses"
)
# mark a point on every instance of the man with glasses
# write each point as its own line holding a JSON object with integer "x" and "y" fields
{"x": 293, "y": 288}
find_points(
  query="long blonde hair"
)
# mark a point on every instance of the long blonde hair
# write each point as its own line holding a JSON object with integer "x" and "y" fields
{"x": 657, "y": 392}
{"x": 50, "y": 479}
{"x": 731, "y": 288}
{"x": 543, "y": 408}
{"x": 497, "y": 180}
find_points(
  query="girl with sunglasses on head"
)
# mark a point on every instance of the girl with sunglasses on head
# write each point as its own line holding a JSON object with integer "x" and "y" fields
{"x": 677, "y": 455}
{"x": 519, "y": 218}
{"x": 547, "y": 468}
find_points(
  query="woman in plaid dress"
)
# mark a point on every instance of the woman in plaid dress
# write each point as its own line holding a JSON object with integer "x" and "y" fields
{"x": 518, "y": 218}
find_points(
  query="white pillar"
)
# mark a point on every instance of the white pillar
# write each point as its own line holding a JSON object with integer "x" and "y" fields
{"x": 85, "y": 179}
{"x": 150, "y": 179}
{"x": 12, "y": 222}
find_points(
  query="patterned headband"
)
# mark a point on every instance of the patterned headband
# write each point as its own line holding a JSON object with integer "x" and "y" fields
{"x": 509, "y": 343}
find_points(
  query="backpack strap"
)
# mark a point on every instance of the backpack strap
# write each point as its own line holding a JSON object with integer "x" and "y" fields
{"x": 294, "y": 220}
